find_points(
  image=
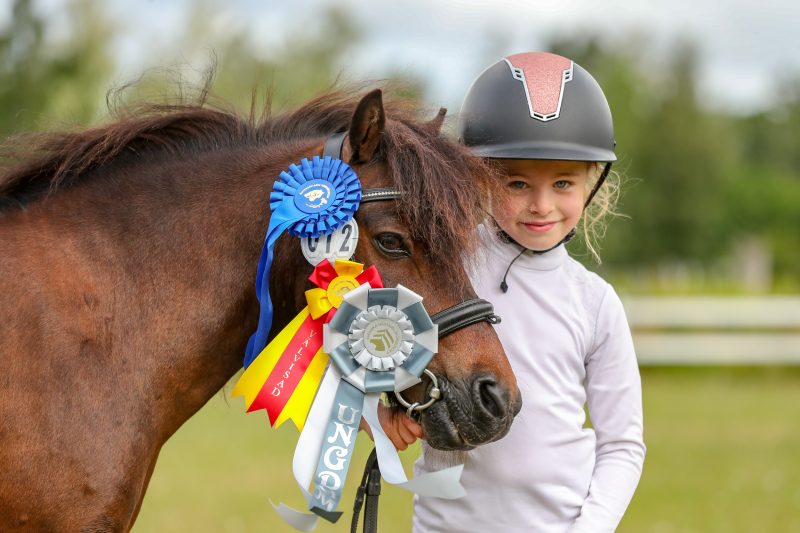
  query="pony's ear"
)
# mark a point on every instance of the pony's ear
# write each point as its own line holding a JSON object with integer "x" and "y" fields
{"x": 366, "y": 127}
{"x": 435, "y": 124}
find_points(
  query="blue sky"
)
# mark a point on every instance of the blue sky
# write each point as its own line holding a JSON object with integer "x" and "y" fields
{"x": 743, "y": 44}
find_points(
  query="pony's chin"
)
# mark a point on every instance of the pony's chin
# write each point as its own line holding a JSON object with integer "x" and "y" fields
{"x": 440, "y": 430}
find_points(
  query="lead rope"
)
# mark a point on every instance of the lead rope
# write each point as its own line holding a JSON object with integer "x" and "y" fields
{"x": 369, "y": 490}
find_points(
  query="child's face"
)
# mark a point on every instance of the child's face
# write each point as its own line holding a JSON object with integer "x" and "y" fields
{"x": 544, "y": 200}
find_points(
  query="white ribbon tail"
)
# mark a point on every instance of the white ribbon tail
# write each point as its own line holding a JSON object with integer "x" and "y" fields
{"x": 445, "y": 484}
{"x": 296, "y": 519}
{"x": 309, "y": 446}
{"x": 441, "y": 484}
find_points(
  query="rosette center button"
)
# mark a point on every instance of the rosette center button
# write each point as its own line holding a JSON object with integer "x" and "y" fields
{"x": 313, "y": 196}
{"x": 382, "y": 337}
{"x": 339, "y": 287}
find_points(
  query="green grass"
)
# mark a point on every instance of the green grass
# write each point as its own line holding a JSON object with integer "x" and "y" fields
{"x": 723, "y": 452}
{"x": 222, "y": 468}
{"x": 723, "y": 456}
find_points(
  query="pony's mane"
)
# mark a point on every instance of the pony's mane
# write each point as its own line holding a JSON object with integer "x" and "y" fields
{"x": 442, "y": 185}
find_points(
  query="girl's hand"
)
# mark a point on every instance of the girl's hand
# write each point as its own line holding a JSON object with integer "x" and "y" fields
{"x": 400, "y": 429}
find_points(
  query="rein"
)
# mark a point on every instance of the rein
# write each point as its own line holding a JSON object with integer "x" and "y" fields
{"x": 449, "y": 320}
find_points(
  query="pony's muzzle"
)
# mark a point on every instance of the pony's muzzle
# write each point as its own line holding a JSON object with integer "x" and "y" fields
{"x": 474, "y": 410}
{"x": 491, "y": 401}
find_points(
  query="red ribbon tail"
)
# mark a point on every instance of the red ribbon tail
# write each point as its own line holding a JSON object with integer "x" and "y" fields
{"x": 290, "y": 367}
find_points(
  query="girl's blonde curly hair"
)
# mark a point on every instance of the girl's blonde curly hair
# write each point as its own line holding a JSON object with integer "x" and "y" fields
{"x": 592, "y": 225}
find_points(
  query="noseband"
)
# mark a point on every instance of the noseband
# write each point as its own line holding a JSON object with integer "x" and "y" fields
{"x": 449, "y": 320}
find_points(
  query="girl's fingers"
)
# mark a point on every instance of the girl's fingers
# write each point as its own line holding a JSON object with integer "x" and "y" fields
{"x": 413, "y": 427}
{"x": 405, "y": 432}
{"x": 400, "y": 429}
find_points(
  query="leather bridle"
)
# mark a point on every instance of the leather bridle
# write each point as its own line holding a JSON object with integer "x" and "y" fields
{"x": 449, "y": 320}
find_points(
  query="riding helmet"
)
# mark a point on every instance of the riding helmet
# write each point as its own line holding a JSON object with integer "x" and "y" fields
{"x": 537, "y": 105}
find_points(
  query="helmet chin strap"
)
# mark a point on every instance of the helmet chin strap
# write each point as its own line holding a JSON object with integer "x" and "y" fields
{"x": 508, "y": 239}
{"x": 597, "y": 185}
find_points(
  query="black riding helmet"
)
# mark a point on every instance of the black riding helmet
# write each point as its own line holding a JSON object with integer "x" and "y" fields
{"x": 537, "y": 105}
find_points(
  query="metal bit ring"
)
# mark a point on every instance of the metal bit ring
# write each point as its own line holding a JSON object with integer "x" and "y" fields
{"x": 435, "y": 394}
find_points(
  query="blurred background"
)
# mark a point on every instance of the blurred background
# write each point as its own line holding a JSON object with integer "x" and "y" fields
{"x": 706, "y": 104}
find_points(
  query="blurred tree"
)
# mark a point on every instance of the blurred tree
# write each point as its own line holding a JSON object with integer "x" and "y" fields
{"x": 765, "y": 200}
{"x": 696, "y": 181}
{"x": 43, "y": 79}
{"x": 307, "y": 64}
{"x": 308, "y": 61}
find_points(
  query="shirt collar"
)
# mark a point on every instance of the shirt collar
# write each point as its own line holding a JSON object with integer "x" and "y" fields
{"x": 506, "y": 252}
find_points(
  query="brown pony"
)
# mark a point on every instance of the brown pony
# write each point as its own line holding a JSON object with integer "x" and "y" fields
{"x": 127, "y": 274}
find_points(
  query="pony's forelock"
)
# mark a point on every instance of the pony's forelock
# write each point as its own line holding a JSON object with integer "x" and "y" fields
{"x": 443, "y": 188}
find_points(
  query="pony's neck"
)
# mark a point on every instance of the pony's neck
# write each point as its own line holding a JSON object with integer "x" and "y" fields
{"x": 183, "y": 247}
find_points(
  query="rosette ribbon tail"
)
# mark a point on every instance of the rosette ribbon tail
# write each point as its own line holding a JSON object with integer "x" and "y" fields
{"x": 379, "y": 340}
{"x": 308, "y": 451}
{"x": 278, "y": 223}
{"x": 283, "y": 379}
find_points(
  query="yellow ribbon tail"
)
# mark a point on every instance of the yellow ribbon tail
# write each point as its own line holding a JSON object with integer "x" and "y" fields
{"x": 254, "y": 376}
{"x": 300, "y": 402}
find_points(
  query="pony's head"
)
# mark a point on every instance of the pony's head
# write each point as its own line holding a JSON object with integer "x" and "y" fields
{"x": 423, "y": 239}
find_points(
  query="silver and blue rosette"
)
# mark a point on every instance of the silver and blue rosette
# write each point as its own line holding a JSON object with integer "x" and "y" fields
{"x": 380, "y": 340}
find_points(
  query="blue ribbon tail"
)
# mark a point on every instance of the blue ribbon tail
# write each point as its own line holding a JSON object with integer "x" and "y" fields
{"x": 314, "y": 198}
{"x": 278, "y": 222}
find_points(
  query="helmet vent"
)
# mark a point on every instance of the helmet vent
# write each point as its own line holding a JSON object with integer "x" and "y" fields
{"x": 548, "y": 74}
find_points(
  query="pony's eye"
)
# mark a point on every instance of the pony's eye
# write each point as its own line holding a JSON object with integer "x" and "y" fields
{"x": 392, "y": 245}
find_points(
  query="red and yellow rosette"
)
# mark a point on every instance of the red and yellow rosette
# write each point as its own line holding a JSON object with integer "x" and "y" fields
{"x": 284, "y": 378}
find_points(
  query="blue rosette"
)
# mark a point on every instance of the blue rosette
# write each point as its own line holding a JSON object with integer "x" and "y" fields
{"x": 311, "y": 199}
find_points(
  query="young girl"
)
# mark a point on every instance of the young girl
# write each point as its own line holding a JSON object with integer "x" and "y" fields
{"x": 545, "y": 121}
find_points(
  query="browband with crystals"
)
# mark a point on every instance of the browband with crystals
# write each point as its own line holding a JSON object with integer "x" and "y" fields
{"x": 380, "y": 193}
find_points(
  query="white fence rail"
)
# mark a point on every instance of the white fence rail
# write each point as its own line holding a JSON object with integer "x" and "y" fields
{"x": 703, "y": 330}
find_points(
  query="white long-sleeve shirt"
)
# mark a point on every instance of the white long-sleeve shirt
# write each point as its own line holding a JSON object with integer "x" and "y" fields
{"x": 565, "y": 333}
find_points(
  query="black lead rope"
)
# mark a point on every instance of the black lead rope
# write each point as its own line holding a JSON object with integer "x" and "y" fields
{"x": 369, "y": 490}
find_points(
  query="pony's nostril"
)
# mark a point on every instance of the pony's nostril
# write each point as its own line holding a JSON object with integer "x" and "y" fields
{"x": 490, "y": 396}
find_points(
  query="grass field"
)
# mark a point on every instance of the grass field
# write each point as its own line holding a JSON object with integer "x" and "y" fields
{"x": 723, "y": 456}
